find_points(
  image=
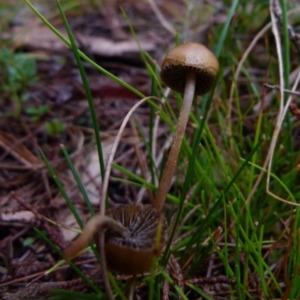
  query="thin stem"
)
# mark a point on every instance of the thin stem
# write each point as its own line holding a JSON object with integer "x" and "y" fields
{"x": 96, "y": 223}
{"x": 174, "y": 152}
{"x": 114, "y": 149}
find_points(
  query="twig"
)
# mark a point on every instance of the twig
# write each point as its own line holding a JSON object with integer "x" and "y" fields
{"x": 161, "y": 18}
{"x": 277, "y": 87}
{"x": 114, "y": 148}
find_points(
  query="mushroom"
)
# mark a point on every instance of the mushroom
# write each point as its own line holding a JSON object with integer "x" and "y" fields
{"x": 134, "y": 236}
{"x": 190, "y": 69}
{"x": 134, "y": 253}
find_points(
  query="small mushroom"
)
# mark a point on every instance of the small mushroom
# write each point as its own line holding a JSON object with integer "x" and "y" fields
{"x": 190, "y": 69}
{"x": 134, "y": 253}
{"x": 131, "y": 233}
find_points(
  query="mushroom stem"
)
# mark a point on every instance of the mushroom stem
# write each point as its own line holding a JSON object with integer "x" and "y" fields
{"x": 93, "y": 225}
{"x": 168, "y": 172}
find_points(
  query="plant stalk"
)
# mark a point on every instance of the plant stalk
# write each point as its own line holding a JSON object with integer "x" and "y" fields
{"x": 95, "y": 224}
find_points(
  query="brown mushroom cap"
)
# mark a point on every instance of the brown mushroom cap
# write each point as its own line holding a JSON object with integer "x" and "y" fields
{"x": 134, "y": 253}
{"x": 189, "y": 56}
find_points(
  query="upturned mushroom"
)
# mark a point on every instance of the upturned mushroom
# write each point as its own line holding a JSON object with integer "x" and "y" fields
{"x": 134, "y": 236}
{"x": 190, "y": 69}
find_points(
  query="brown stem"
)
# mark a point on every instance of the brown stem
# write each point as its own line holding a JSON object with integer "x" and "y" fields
{"x": 96, "y": 223}
{"x": 166, "y": 179}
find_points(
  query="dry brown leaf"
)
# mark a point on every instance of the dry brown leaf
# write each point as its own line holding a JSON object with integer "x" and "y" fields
{"x": 37, "y": 37}
{"x": 106, "y": 47}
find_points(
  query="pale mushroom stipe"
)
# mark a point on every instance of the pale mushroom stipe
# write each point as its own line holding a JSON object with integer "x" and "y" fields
{"x": 190, "y": 69}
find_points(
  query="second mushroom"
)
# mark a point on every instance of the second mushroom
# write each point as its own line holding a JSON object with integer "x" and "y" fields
{"x": 191, "y": 69}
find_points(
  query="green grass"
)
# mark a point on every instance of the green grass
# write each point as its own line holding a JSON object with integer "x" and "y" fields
{"x": 222, "y": 162}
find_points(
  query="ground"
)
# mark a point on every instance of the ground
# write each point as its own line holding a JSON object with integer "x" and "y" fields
{"x": 45, "y": 114}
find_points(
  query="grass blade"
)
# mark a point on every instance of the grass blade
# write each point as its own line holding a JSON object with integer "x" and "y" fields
{"x": 86, "y": 88}
{"x": 61, "y": 189}
{"x": 78, "y": 181}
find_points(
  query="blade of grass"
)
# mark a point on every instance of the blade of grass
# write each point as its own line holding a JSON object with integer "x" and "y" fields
{"x": 294, "y": 260}
{"x": 78, "y": 181}
{"x": 254, "y": 255}
{"x": 224, "y": 32}
{"x": 272, "y": 175}
{"x": 237, "y": 260}
{"x": 116, "y": 287}
{"x": 197, "y": 290}
{"x": 61, "y": 189}
{"x": 214, "y": 212}
{"x": 176, "y": 287}
{"x": 86, "y": 88}
{"x": 66, "y": 197}
{"x": 260, "y": 265}
{"x": 98, "y": 142}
